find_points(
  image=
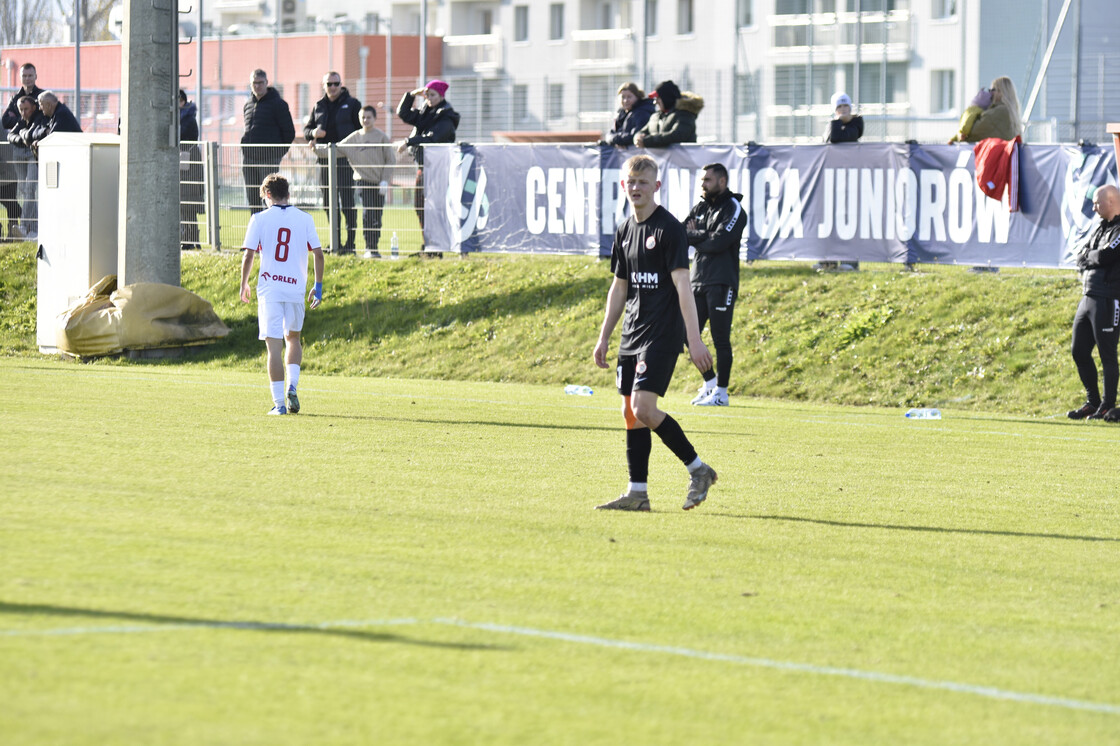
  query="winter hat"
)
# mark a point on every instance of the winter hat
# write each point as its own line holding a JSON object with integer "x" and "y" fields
{"x": 840, "y": 99}
{"x": 668, "y": 92}
{"x": 983, "y": 99}
{"x": 438, "y": 86}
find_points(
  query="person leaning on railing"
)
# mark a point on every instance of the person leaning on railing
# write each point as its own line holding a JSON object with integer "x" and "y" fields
{"x": 1001, "y": 119}
{"x": 9, "y": 180}
{"x": 20, "y": 138}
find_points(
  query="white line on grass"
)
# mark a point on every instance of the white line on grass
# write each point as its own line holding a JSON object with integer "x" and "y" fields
{"x": 602, "y": 642}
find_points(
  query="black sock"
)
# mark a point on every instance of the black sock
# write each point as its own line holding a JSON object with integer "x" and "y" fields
{"x": 709, "y": 375}
{"x": 672, "y": 436}
{"x": 639, "y": 443}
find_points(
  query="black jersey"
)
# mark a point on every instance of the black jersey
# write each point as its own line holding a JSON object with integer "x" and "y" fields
{"x": 645, "y": 255}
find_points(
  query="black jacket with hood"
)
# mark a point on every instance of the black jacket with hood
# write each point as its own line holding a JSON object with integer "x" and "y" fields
{"x": 715, "y": 228}
{"x": 1099, "y": 260}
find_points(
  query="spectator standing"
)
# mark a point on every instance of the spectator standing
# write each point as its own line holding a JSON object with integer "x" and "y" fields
{"x": 634, "y": 111}
{"x": 675, "y": 121}
{"x": 845, "y": 126}
{"x": 27, "y": 77}
{"x": 715, "y": 227}
{"x": 1002, "y": 119}
{"x": 190, "y": 173}
{"x": 9, "y": 183}
{"x": 369, "y": 151}
{"x": 283, "y": 235}
{"x": 269, "y": 132}
{"x": 433, "y": 121}
{"x": 649, "y": 260}
{"x": 20, "y": 137}
{"x": 1095, "y": 323}
{"x": 333, "y": 117}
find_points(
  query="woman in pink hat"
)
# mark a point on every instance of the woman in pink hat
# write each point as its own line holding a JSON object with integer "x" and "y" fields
{"x": 432, "y": 121}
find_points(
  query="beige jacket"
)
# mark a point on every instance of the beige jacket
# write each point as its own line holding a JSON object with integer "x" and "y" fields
{"x": 369, "y": 153}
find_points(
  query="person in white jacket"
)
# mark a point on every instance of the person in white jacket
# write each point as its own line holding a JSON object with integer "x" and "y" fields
{"x": 369, "y": 151}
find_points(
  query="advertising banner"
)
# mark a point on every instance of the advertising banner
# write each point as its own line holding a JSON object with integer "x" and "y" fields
{"x": 877, "y": 202}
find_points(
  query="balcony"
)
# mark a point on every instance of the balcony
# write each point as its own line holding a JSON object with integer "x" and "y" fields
{"x": 480, "y": 53}
{"x": 880, "y": 34}
{"x": 610, "y": 50}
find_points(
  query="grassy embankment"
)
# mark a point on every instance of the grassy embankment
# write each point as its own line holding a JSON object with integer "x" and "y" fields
{"x": 882, "y": 336}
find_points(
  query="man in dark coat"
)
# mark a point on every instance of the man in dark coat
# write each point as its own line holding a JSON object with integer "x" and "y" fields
{"x": 1097, "y": 321}
{"x": 31, "y": 119}
{"x": 268, "y": 122}
{"x": 191, "y": 190}
{"x": 27, "y": 76}
{"x": 434, "y": 121}
{"x": 333, "y": 117}
{"x": 675, "y": 121}
{"x": 57, "y": 117}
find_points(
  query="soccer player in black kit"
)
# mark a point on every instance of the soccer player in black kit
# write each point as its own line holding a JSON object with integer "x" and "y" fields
{"x": 1097, "y": 322}
{"x": 649, "y": 260}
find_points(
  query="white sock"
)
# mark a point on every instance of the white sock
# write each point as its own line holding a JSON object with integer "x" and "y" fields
{"x": 722, "y": 390}
{"x": 293, "y": 375}
{"x": 695, "y": 465}
{"x": 710, "y": 385}
{"x": 637, "y": 487}
{"x": 277, "y": 393}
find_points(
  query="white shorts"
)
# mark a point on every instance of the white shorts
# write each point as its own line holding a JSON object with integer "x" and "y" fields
{"x": 277, "y": 319}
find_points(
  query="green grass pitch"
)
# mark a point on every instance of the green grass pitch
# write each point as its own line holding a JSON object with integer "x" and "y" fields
{"x": 419, "y": 563}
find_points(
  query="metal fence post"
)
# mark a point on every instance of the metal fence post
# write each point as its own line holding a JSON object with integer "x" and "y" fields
{"x": 332, "y": 194}
{"x": 211, "y": 185}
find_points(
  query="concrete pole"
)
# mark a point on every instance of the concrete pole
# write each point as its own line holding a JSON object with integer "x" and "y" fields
{"x": 148, "y": 221}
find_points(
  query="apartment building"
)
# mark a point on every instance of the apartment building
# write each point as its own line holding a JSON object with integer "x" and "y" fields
{"x": 766, "y": 68}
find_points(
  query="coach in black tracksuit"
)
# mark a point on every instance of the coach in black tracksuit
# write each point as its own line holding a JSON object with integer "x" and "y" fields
{"x": 1097, "y": 322}
{"x": 715, "y": 228}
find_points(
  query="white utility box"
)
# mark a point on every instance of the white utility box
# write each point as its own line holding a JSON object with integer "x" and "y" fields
{"x": 78, "y": 187}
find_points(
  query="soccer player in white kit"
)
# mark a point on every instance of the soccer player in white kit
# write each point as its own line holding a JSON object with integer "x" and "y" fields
{"x": 283, "y": 235}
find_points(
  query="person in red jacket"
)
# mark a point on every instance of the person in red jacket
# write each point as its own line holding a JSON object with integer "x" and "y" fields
{"x": 1097, "y": 322}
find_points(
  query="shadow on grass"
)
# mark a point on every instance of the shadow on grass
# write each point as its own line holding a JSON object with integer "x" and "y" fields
{"x": 466, "y": 423}
{"x": 158, "y": 620}
{"x": 927, "y": 529}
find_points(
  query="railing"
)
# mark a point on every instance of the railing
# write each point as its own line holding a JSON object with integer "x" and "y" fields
{"x": 827, "y": 30}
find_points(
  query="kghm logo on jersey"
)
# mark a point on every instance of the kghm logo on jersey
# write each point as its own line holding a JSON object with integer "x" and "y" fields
{"x": 467, "y": 205}
{"x": 645, "y": 279}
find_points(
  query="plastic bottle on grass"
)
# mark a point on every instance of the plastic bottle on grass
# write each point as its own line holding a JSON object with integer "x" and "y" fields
{"x": 578, "y": 390}
{"x": 923, "y": 414}
{"x": 394, "y": 246}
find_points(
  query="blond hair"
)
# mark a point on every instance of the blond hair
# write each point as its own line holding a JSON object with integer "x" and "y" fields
{"x": 1006, "y": 90}
{"x": 639, "y": 163}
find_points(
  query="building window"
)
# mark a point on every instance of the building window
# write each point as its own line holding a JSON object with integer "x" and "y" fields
{"x": 651, "y": 17}
{"x": 684, "y": 17}
{"x": 596, "y": 93}
{"x": 487, "y": 17}
{"x": 555, "y": 100}
{"x": 520, "y": 102}
{"x": 744, "y": 12}
{"x": 944, "y": 8}
{"x": 556, "y": 21}
{"x": 942, "y": 91}
{"x": 521, "y": 23}
{"x": 792, "y": 7}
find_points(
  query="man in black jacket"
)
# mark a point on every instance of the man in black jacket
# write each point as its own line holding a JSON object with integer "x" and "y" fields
{"x": 1097, "y": 322}
{"x": 57, "y": 117}
{"x": 333, "y": 117}
{"x": 435, "y": 121}
{"x": 31, "y": 119}
{"x": 715, "y": 228}
{"x": 269, "y": 132}
{"x": 27, "y": 76}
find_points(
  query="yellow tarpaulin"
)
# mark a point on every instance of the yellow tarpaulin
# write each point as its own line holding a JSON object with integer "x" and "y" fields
{"x": 139, "y": 316}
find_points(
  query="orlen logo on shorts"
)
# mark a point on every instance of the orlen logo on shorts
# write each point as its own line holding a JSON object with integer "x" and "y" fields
{"x": 279, "y": 278}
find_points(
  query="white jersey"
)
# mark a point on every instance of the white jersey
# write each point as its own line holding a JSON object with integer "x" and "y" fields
{"x": 282, "y": 235}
